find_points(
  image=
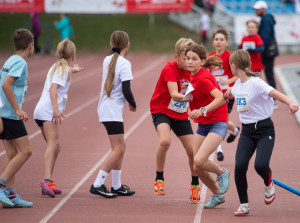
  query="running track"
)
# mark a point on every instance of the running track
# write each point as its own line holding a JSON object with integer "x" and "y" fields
{"x": 85, "y": 143}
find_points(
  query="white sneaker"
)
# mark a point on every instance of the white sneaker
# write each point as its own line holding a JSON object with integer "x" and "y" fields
{"x": 242, "y": 210}
{"x": 269, "y": 193}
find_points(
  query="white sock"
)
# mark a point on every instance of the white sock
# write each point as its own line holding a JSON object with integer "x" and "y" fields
{"x": 219, "y": 149}
{"x": 236, "y": 131}
{"x": 100, "y": 178}
{"x": 116, "y": 179}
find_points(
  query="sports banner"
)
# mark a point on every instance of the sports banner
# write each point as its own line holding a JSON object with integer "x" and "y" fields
{"x": 21, "y": 5}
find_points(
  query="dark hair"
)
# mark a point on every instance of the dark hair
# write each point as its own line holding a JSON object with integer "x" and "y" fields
{"x": 210, "y": 62}
{"x": 223, "y": 31}
{"x": 22, "y": 38}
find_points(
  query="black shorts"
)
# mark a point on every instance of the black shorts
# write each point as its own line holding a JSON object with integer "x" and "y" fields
{"x": 13, "y": 129}
{"x": 40, "y": 122}
{"x": 114, "y": 128}
{"x": 179, "y": 127}
{"x": 230, "y": 105}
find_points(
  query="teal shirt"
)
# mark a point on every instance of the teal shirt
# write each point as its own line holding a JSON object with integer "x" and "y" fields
{"x": 15, "y": 66}
{"x": 65, "y": 28}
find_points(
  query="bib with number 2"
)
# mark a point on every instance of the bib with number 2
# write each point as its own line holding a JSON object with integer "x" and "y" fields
{"x": 178, "y": 106}
{"x": 243, "y": 103}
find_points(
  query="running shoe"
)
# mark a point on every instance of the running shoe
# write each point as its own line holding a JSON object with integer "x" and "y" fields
{"x": 269, "y": 193}
{"x": 4, "y": 198}
{"x": 102, "y": 191}
{"x": 220, "y": 156}
{"x": 124, "y": 190}
{"x": 242, "y": 210}
{"x": 19, "y": 203}
{"x": 195, "y": 194}
{"x": 54, "y": 189}
{"x": 47, "y": 187}
{"x": 159, "y": 188}
{"x": 215, "y": 200}
{"x": 223, "y": 182}
{"x": 232, "y": 137}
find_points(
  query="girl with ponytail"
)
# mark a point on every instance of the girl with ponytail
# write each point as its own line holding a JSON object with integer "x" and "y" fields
{"x": 48, "y": 111}
{"x": 115, "y": 90}
{"x": 255, "y": 106}
{"x": 209, "y": 110}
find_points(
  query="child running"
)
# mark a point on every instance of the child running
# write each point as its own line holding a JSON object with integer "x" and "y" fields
{"x": 225, "y": 79}
{"x": 14, "y": 76}
{"x": 170, "y": 113}
{"x": 48, "y": 112}
{"x": 255, "y": 106}
{"x": 209, "y": 110}
{"x": 114, "y": 90}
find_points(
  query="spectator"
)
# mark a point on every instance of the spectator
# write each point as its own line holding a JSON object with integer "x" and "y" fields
{"x": 204, "y": 26}
{"x": 64, "y": 27}
{"x": 35, "y": 31}
{"x": 210, "y": 4}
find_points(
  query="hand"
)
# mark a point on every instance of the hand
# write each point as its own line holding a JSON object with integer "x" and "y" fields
{"x": 76, "y": 68}
{"x": 224, "y": 82}
{"x": 293, "y": 108}
{"x": 22, "y": 115}
{"x": 57, "y": 115}
{"x": 132, "y": 108}
{"x": 196, "y": 113}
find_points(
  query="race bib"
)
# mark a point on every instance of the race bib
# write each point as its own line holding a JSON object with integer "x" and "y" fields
{"x": 24, "y": 93}
{"x": 219, "y": 78}
{"x": 65, "y": 99}
{"x": 249, "y": 45}
{"x": 178, "y": 106}
{"x": 243, "y": 103}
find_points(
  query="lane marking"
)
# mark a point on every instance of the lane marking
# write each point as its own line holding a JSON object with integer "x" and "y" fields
{"x": 200, "y": 207}
{"x": 90, "y": 173}
{"x": 150, "y": 66}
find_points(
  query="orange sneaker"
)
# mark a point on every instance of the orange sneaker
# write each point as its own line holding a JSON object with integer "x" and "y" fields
{"x": 195, "y": 194}
{"x": 159, "y": 187}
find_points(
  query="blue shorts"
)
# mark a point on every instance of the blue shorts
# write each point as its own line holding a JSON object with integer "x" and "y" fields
{"x": 219, "y": 128}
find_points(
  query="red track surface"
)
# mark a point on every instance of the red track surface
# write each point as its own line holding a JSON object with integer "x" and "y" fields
{"x": 84, "y": 143}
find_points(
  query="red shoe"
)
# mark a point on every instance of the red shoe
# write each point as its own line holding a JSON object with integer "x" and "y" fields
{"x": 195, "y": 194}
{"x": 159, "y": 188}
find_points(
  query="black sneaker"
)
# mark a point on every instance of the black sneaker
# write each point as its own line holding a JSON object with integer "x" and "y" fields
{"x": 231, "y": 137}
{"x": 102, "y": 191}
{"x": 124, "y": 190}
{"x": 220, "y": 156}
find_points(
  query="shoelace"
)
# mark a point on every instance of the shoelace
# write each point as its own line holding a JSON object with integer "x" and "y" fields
{"x": 195, "y": 191}
{"x": 52, "y": 185}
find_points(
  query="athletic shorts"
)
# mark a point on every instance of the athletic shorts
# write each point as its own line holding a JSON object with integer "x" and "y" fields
{"x": 13, "y": 129}
{"x": 114, "y": 128}
{"x": 230, "y": 105}
{"x": 219, "y": 128}
{"x": 179, "y": 127}
{"x": 40, "y": 122}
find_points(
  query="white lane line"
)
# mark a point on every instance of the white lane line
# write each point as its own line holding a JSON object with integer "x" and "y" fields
{"x": 150, "y": 66}
{"x": 200, "y": 207}
{"x": 90, "y": 173}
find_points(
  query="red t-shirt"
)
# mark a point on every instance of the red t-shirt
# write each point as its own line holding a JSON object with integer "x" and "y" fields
{"x": 203, "y": 83}
{"x": 253, "y": 41}
{"x": 223, "y": 72}
{"x": 161, "y": 97}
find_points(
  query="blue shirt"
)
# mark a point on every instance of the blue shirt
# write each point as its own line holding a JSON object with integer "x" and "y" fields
{"x": 266, "y": 29}
{"x": 15, "y": 66}
{"x": 65, "y": 28}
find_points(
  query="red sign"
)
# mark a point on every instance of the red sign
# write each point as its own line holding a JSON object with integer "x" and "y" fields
{"x": 22, "y": 5}
{"x": 146, "y": 6}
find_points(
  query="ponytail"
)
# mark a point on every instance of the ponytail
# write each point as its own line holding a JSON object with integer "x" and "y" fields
{"x": 63, "y": 65}
{"x": 111, "y": 74}
{"x": 213, "y": 62}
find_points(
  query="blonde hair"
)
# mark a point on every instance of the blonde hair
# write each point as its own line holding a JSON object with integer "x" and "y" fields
{"x": 65, "y": 50}
{"x": 210, "y": 62}
{"x": 253, "y": 21}
{"x": 182, "y": 45}
{"x": 223, "y": 31}
{"x": 119, "y": 41}
{"x": 241, "y": 59}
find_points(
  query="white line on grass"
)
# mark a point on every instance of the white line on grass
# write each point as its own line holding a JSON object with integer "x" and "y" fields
{"x": 90, "y": 173}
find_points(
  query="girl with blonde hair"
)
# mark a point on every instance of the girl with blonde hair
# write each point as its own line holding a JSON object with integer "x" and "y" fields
{"x": 48, "y": 112}
{"x": 115, "y": 89}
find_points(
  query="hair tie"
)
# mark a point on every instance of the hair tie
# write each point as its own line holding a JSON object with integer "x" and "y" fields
{"x": 116, "y": 50}
{"x": 246, "y": 68}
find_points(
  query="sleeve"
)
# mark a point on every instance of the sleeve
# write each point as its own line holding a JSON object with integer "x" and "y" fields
{"x": 125, "y": 72}
{"x": 17, "y": 69}
{"x": 170, "y": 73}
{"x": 263, "y": 88}
{"x": 126, "y": 89}
{"x": 234, "y": 88}
{"x": 59, "y": 79}
{"x": 60, "y": 24}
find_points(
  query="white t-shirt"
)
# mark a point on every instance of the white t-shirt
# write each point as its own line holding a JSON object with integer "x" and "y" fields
{"x": 44, "y": 110}
{"x": 111, "y": 108}
{"x": 253, "y": 100}
{"x": 204, "y": 22}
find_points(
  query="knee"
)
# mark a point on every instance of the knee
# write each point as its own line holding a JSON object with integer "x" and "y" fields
{"x": 198, "y": 165}
{"x": 165, "y": 143}
{"x": 27, "y": 153}
{"x": 240, "y": 168}
{"x": 261, "y": 167}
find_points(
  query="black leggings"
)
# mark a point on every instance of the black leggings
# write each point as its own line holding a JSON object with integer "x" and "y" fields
{"x": 259, "y": 136}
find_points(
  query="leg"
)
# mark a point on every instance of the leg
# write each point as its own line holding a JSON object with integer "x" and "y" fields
{"x": 269, "y": 64}
{"x": 164, "y": 133}
{"x": 9, "y": 155}
{"x": 187, "y": 142}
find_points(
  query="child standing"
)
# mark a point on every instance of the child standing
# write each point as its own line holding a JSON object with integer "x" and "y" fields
{"x": 170, "y": 113}
{"x": 114, "y": 90}
{"x": 14, "y": 76}
{"x": 254, "y": 45}
{"x": 255, "y": 106}
{"x": 208, "y": 109}
{"x": 48, "y": 111}
{"x": 225, "y": 79}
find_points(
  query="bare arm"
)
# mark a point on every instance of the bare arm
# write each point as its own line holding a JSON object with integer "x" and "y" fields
{"x": 228, "y": 94}
{"x": 173, "y": 89}
{"x": 229, "y": 81}
{"x": 57, "y": 115}
{"x": 9, "y": 93}
{"x": 284, "y": 99}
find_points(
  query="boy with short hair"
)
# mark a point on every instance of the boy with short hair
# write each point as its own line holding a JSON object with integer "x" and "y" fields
{"x": 14, "y": 76}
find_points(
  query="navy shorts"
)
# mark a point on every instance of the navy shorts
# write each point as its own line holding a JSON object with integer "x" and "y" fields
{"x": 13, "y": 129}
{"x": 219, "y": 128}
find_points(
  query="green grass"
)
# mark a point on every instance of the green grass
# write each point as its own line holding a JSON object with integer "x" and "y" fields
{"x": 92, "y": 32}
